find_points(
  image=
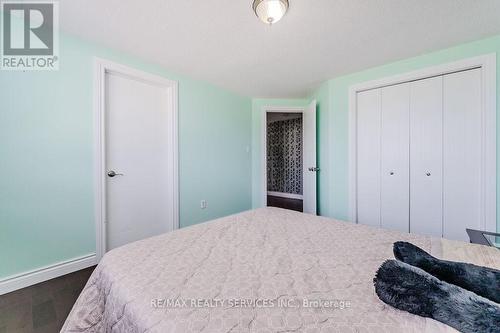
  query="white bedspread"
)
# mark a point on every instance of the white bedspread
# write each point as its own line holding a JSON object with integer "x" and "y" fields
{"x": 279, "y": 257}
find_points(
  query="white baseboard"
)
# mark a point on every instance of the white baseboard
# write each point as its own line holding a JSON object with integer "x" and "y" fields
{"x": 30, "y": 278}
{"x": 285, "y": 195}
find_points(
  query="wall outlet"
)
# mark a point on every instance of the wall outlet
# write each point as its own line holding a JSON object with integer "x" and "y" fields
{"x": 203, "y": 204}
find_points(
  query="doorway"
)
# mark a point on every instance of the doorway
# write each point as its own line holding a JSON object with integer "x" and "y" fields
{"x": 136, "y": 122}
{"x": 284, "y": 160}
{"x": 289, "y": 158}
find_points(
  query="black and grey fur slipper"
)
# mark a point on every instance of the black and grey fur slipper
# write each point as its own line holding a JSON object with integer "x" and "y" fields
{"x": 411, "y": 289}
{"x": 483, "y": 281}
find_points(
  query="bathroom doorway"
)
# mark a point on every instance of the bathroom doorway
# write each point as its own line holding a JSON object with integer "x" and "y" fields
{"x": 285, "y": 160}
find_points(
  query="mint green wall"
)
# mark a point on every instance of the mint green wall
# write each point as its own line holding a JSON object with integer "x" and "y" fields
{"x": 334, "y": 140}
{"x": 46, "y": 166}
{"x": 46, "y": 169}
{"x": 257, "y": 105}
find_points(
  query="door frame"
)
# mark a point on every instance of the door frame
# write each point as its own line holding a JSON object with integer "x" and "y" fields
{"x": 487, "y": 63}
{"x": 273, "y": 109}
{"x": 101, "y": 67}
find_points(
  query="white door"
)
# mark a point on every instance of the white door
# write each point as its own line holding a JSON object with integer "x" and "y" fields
{"x": 395, "y": 158}
{"x": 426, "y": 156}
{"x": 309, "y": 155}
{"x": 368, "y": 157}
{"x": 463, "y": 147}
{"x": 426, "y": 141}
{"x": 139, "y": 150}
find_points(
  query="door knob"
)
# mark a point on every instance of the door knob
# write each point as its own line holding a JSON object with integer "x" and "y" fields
{"x": 113, "y": 173}
{"x": 391, "y": 173}
{"x": 428, "y": 174}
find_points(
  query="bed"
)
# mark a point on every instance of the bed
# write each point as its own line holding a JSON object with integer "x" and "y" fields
{"x": 265, "y": 270}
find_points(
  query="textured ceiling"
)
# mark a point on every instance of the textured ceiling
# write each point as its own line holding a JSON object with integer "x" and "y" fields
{"x": 222, "y": 41}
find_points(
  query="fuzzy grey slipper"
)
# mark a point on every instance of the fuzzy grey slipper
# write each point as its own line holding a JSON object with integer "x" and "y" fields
{"x": 411, "y": 289}
{"x": 483, "y": 281}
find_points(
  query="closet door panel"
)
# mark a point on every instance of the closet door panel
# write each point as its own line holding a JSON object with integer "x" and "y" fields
{"x": 426, "y": 155}
{"x": 395, "y": 157}
{"x": 462, "y": 152}
{"x": 368, "y": 157}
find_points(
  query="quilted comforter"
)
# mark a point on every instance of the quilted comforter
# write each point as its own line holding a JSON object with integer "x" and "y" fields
{"x": 266, "y": 270}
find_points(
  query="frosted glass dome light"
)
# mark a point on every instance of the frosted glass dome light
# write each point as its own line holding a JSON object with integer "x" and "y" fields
{"x": 270, "y": 11}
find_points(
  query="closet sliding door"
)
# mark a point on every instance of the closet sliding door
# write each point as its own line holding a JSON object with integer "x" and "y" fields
{"x": 426, "y": 156}
{"x": 368, "y": 157}
{"x": 421, "y": 156}
{"x": 463, "y": 145}
{"x": 394, "y": 155}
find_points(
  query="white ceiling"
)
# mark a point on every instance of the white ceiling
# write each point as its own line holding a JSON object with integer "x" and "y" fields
{"x": 222, "y": 42}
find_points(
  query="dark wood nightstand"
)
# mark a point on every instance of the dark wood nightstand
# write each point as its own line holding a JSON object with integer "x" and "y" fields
{"x": 484, "y": 237}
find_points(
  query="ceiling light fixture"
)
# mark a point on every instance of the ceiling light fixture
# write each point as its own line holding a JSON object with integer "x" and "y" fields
{"x": 270, "y": 11}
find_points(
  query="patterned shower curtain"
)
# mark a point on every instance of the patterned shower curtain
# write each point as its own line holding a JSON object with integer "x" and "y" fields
{"x": 284, "y": 156}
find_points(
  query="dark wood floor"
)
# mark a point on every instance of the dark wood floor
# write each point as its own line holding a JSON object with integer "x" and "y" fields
{"x": 292, "y": 204}
{"x": 42, "y": 307}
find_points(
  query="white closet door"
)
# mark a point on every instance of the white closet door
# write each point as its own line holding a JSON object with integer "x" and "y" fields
{"x": 395, "y": 205}
{"x": 368, "y": 157}
{"x": 462, "y": 153}
{"x": 426, "y": 155}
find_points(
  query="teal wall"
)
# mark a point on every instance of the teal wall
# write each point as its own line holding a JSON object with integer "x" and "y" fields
{"x": 46, "y": 149}
{"x": 333, "y": 139}
{"x": 46, "y": 135}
